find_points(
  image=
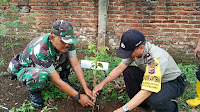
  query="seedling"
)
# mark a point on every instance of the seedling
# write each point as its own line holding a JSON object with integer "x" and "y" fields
{"x": 95, "y": 62}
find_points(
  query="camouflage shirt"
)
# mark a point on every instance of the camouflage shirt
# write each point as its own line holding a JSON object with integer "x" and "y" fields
{"x": 41, "y": 53}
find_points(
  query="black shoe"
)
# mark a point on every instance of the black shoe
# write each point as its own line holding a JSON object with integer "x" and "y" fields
{"x": 36, "y": 99}
{"x": 12, "y": 77}
{"x": 176, "y": 109}
{"x": 64, "y": 76}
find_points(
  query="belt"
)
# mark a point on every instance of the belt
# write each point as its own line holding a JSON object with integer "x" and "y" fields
{"x": 182, "y": 79}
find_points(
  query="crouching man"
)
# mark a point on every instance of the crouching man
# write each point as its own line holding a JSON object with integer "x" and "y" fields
{"x": 37, "y": 64}
{"x": 154, "y": 81}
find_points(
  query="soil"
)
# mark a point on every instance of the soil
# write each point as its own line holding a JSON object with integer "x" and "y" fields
{"x": 14, "y": 95}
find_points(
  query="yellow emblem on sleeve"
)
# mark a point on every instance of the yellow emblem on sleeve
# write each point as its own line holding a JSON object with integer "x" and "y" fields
{"x": 152, "y": 77}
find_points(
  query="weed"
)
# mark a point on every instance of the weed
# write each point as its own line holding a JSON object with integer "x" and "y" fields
{"x": 2, "y": 61}
{"x": 24, "y": 108}
{"x": 4, "y": 73}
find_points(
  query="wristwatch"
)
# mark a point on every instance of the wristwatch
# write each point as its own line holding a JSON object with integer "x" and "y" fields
{"x": 125, "y": 108}
{"x": 77, "y": 97}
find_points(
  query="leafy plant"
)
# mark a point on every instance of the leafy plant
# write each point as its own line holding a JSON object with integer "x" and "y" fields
{"x": 24, "y": 108}
{"x": 2, "y": 63}
{"x": 9, "y": 21}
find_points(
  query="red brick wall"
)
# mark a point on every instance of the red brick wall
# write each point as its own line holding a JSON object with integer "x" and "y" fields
{"x": 167, "y": 23}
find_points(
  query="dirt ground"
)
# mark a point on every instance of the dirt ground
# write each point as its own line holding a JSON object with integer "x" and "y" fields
{"x": 14, "y": 95}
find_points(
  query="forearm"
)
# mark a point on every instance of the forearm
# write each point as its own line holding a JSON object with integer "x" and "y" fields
{"x": 79, "y": 73}
{"x": 138, "y": 99}
{"x": 66, "y": 88}
{"x": 198, "y": 44}
{"x": 116, "y": 72}
{"x": 58, "y": 82}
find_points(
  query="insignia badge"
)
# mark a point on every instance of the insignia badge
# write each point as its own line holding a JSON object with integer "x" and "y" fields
{"x": 122, "y": 45}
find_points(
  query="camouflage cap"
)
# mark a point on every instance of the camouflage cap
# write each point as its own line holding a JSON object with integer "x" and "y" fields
{"x": 64, "y": 30}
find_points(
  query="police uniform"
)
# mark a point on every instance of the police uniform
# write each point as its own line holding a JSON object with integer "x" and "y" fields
{"x": 173, "y": 83}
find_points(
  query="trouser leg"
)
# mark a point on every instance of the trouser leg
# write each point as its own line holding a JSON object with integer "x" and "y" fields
{"x": 133, "y": 77}
{"x": 34, "y": 78}
{"x": 162, "y": 101}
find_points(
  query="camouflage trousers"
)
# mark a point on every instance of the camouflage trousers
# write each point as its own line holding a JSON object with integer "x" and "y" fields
{"x": 34, "y": 78}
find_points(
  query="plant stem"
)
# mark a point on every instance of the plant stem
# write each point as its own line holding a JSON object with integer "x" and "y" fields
{"x": 94, "y": 78}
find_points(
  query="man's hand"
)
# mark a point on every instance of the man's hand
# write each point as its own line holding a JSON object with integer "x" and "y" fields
{"x": 96, "y": 89}
{"x": 197, "y": 53}
{"x": 85, "y": 101}
{"x": 119, "y": 110}
{"x": 89, "y": 93}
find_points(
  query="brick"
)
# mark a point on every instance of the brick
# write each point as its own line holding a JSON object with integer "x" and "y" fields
{"x": 193, "y": 31}
{"x": 195, "y": 13}
{"x": 118, "y": 4}
{"x": 192, "y": 39}
{"x": 196, "y": 26}
{"x": 88, "y": 16}
{"x": 185, "y": 22}
{"x": 131, "y": 21}
{"x": 113, "y": 8}
{"x": 189, "y": 9}
{"x": 42, "y": 4}
{"x": 124, "y": 16}
{"x": 195, "y": 35}
{"x": 189, "y": 0}
{"x": 61, "y": 12}
{"x": 183, "y": 35}
{"x": 169, "y": 21}
{"x": 174, "y": 17}
{"x": 179, "y": 30}
{"x": 130, "y": 12}
{"x": 178, "y": 39}
{"x": 56, "y": 8}
{"x": 125, "y": 8}
{"x": 88, "y": 8}
{"x": 83, "y": 4}
{"x": 149, "y": 17}
{"x": 173, "y": 26}
{"x": 154, "y": 30}
{"x": 166, "y": 30}
{"x": 187, "y": 18}
{"x": 36, "y": 7}
{"x": 77, "y": 16}
{"x": 183, "y": 13}
{"x": 155, "y": 21}
{"x": 186, "y": 26}
{"x": 136, "y": 25}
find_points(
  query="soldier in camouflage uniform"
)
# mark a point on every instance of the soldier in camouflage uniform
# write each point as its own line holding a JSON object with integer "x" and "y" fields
{"x": 37, "y": 64}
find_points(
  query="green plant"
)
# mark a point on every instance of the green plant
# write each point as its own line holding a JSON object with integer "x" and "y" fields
{"x": 3, "y": 73}
{"x": 9, "y": 21}
{"x": 52, "y": 92}
{"x": 2, "y": 63}
{"x": 24, "y": 108}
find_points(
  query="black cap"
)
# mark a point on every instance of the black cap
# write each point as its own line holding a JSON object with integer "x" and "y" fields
{"x": 130, "y": 40}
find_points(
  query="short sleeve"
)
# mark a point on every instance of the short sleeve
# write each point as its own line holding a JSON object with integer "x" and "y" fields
{"x": 127, "y": 61}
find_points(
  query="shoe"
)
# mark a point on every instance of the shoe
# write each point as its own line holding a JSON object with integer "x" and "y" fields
{"x": 36, "y": 99}
{"x": 64, "y": 76}
{"x": 196, "y": 101}
{"x": 174, "y": 101}
{"x": 12, "y": 77}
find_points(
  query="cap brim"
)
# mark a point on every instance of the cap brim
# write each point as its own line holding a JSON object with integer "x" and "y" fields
{"x": 123, "y": 53}
{"x": 70, "y": 41}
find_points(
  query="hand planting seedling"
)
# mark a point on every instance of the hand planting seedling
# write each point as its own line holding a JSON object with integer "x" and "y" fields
{"x": 95, "y": 64}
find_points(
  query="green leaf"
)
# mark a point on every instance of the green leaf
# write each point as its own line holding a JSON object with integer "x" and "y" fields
{"x": 100, "y": 65}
